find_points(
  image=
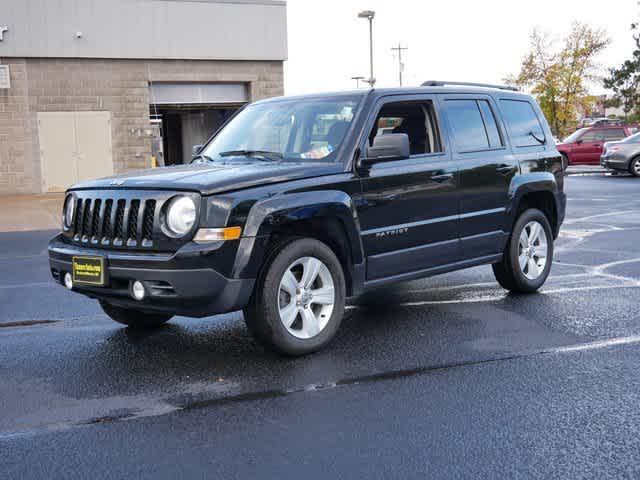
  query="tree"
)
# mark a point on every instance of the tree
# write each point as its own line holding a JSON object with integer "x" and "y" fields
{"x": 625, "y": 80}
{"x": 557, "y": 78}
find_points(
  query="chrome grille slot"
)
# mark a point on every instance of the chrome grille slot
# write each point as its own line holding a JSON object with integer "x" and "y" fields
{"x": 147, "y": 222}
{"x": 119, "y": 220}
{"x": 132, "y": 223}
{"x": 86, "y": 217}
{"x": 77, "y": 225}
{"x": 107, "y": 226}
{"x": 95, "y": 221}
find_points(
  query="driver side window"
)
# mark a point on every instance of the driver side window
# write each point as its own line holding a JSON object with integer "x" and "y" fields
{"x": 416, "y": 119}
{"x": 593, "y": 136}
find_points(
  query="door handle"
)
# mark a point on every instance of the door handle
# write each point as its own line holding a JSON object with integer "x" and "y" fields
{"x": 505, "y": 169}
{"x": 442, "y": 178}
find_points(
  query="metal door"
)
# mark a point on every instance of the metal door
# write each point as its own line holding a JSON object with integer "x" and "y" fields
{"x": 74, "y": 146}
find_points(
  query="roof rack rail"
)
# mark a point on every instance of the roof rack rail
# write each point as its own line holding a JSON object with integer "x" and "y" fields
{"x": 442, "y": 83}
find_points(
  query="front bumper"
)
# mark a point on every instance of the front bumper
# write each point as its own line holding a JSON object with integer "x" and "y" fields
{"x": 180, "y": 283}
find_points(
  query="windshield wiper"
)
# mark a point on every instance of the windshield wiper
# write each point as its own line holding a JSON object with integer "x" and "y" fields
{"x": 252, "y": 153}
{"x": 201, "y": 156}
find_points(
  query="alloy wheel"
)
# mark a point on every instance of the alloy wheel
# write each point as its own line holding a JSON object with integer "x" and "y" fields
{"x": 532, "y": 250}
{"x": 306, "y": 297}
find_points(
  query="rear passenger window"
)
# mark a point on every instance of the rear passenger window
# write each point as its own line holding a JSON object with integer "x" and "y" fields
{"x": 614, "y": 134}
{"x": 523, "y": 123}
{"x": 473, "y": 124}
{"x": 495, "y": 140}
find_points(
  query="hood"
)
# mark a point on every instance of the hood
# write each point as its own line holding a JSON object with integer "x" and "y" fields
{"x": 214, "y": 177}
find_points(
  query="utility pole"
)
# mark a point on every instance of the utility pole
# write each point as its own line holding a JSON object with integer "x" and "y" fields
{"x": 369, "y": 14}
{"x": 399, "y": 49}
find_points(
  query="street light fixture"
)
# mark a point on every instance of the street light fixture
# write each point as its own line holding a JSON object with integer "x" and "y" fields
{"x": 369, "y": 14}
{"x": 357, "y": 79}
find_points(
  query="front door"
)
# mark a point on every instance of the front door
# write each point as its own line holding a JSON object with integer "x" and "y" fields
{"x": 408, "y": 209}
{"x": 588, "y": 148}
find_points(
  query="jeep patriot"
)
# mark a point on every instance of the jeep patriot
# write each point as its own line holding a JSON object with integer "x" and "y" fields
{"x": 298, "y": 203}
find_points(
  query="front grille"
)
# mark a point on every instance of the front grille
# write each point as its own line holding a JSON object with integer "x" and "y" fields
{"x": 122, "y": 220}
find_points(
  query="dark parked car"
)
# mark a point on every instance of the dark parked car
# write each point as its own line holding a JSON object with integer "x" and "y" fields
{"x": 623, "y": 155}
{"x": 584, "y": 146}
{"x": 300, "y": 202}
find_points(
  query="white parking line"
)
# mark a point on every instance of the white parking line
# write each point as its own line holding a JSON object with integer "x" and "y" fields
{"x": 611, "y": 342}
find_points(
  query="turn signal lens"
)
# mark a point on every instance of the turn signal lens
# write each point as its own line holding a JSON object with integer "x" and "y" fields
{"x": 205, "y": 235}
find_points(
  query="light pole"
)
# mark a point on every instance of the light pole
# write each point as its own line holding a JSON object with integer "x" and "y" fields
{"x": 357, "y": 79}
{"x": 369, "y": 14}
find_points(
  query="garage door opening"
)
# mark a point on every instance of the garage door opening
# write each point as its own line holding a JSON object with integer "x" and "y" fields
{"x": 182, "y": 128}
{"x": 187, "y": 114}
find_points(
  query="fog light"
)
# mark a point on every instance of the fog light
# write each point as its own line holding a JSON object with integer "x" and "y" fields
{"x": 68, "y": 281}
{"x": 137, "y": 290}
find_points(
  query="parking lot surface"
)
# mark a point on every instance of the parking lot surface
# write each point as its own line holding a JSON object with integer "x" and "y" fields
{"x": 448, "y": 377}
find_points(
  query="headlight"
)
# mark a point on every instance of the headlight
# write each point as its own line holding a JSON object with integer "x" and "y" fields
{"x": 69, "y": 208}
{"x": 180, "y": 216}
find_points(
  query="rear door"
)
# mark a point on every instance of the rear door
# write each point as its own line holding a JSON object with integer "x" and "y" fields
{"x": 486, "y": 169}
{"x": 408, "y": 211}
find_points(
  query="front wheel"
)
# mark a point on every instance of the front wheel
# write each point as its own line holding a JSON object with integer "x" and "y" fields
{"x": 527, "y": 258}
{"x": 298, "y": 302}
{"x": 135, "y": 319}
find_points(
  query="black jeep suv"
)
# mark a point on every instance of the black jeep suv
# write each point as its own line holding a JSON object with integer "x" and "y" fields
{"x": 298, "y": 203}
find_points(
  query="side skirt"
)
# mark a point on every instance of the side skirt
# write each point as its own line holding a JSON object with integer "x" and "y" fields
{"x": 429, "y": 272}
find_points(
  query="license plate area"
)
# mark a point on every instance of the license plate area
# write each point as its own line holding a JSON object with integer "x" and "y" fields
{"x": 88, "y": 270}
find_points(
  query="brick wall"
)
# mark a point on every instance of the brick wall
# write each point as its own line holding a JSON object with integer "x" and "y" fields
{"x": 117, "y": 86}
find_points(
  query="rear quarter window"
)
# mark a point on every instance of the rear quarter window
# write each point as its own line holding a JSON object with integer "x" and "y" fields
{"x": 522, "y": 123}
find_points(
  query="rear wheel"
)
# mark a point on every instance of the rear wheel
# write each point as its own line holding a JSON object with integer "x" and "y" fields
{"x": 634, "y": 167}
{"x": 527, "y": 258}
{"x": 135, "y": 319}
{"x": 298, "y": 302}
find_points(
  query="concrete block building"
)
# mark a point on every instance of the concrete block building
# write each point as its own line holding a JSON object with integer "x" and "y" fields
{"x": 92, "y": 87}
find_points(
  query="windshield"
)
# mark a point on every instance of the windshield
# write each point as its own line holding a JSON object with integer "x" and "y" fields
{"x": 635, "y": 138}
{"x": 310, "y": 129}
{"x": 575, "y": 135}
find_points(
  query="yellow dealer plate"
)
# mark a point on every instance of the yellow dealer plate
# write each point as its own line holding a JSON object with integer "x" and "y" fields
{"x": 88, "y": 270}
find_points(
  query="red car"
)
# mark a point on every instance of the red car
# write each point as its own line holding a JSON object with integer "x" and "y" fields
{"x": 584, "y": 146}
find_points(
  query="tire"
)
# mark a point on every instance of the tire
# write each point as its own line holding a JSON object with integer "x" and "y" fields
{"x": 135, "y": 319}
{"x": 528, "y": 278}
{"x": 279, "y": 312}
{"x": 634, "y": 166}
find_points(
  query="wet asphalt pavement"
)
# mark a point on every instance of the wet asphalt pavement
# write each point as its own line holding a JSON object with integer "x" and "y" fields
{"x": 448, "y": 377}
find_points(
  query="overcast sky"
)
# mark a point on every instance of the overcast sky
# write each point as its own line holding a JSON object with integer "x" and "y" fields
{"x": 481, "y": 40}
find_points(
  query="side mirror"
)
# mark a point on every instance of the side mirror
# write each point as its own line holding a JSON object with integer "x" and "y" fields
{"x": 578, "y": 142}
{"x": 391, "y": 146}
{"x": 196, "y": 149}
